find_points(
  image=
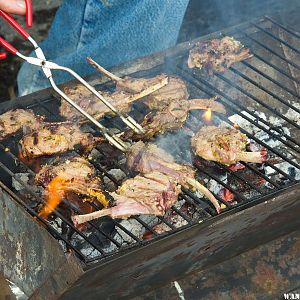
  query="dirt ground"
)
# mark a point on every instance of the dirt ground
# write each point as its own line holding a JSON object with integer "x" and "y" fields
{"x": 202, "y": 17}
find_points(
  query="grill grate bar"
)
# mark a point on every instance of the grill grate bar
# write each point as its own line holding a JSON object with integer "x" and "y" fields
{"x": 271, "y": 51}
{"x": 231, "y": 100}
{"x": 276, "y": 38}
{"x": 244, "y": 189}
{"x": 191, "y": 79}
{"x": 182, "y": 215}
{"x": 99, "y": 167}
{"x": 272, "y": 80}
{"x": 54, "y": 232}
{"x": 234, "y": 70}
{"x": 283, "y": 72}
{"x": 191, "y": 199}
{"x": 287, "y": 176}
{"x": 292, "y": 32}
{"x": 56, "y": 212}
{"x": 240, "y": 178}
{"x": 239, "y": 197}
{"x": 259, "y": 173}
{"x": 28, "y": 169}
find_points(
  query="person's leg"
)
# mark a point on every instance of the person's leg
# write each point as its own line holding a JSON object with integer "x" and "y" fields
{"x": 111, "y": 31}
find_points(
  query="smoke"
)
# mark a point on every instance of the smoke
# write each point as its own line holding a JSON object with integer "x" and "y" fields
{"x": 204, "y": 17}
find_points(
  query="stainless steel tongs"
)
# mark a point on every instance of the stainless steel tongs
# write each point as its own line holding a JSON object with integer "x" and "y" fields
{"x": 47, "y": 66}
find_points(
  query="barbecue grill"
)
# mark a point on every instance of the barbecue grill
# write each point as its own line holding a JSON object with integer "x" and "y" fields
{"x": 121, "y": 259}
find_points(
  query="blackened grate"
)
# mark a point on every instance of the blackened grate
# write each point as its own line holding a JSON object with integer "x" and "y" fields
{"x": 261, "y": 95}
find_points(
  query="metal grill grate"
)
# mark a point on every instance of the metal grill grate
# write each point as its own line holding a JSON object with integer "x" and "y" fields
{"x": 261, "y": 93}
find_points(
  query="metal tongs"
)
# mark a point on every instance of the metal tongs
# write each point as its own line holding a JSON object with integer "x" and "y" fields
{"x": 47, "y": 66}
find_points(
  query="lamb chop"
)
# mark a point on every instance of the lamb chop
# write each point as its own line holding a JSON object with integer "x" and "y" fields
{"x": 153, "y": 193}
{"x": 14, "y": 121}
{"x": 176, "y": 88}
{"x": 172, "y": 117}
{"x": 217, "y": 55}
{"x": 224, "y": 145}
{"x": 122, "y": 100}
{"x": 144, "y": 158}
{"x": 69, "y": 174}
{"x": 54, "y": 138}
{"x": 167, "y": 177}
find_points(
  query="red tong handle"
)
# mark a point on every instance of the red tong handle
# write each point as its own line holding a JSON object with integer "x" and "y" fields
{"x": 6, "y": 45}
{"x": 17, "y": 26}
{"x": 29, "y": 19}
{"x": 2, "y": 55}
{"x": 14, "y": 23}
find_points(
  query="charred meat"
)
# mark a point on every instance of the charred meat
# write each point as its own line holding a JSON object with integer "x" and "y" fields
{"x": 91, "y": 104}
{"x": 172, "y": 117}
{"x": 224, "y": 145}
{"x": 217, "y": 55}
{"x": 175, "y": 90}
{"x": 69, "y": 174}
{"x": 144, "y": 159}
{"x": 120, "y": 99}
{"x": 153, "y": 193}
{"x": 54, "y": 139}
{"x": 14, "y": 121}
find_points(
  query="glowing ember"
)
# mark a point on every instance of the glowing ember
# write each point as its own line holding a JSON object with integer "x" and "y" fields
{"x": 207, "y": 115}
{"x": 226, "y": 195}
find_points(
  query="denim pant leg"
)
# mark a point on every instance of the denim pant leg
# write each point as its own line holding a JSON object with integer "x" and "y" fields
{"x": 110, "y": 31}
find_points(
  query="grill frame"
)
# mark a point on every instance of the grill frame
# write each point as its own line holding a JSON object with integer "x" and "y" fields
{"x": 194, "y": 231}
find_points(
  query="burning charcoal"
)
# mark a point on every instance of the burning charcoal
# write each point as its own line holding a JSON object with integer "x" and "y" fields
{"x": 172, "y": 117}
{"x": 14, "y": 121}
{"x": 23, "y": 177}
{"x": 217, "y": 55}
{"x": 107, "y": 226}
{"x": 55, "y": 139}
{"x": 224, "y": 145}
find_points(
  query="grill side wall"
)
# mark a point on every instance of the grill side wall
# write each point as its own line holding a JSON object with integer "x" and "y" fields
{"x": 190, "y": 250}
{"x": 30, "y": 257}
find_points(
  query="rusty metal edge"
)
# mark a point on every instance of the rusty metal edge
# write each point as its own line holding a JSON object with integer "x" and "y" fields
{"x": 196, "y": 248}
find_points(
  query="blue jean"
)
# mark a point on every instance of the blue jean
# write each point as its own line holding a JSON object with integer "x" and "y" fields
{"x": 110, "y": 31}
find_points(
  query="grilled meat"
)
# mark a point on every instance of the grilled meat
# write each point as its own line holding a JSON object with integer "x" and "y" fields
{"x": 14, "y": 121}
{"x": 172, "y": 117}
{"x": 54, "y": 139}
{"x": 69, "y": 174}
{"x": 224, "y": 145}
{"x": 155, "y": 190}
{"x": 149, "y": 158}
{"x": 175, "y": 90}
{"x": 91, "y": 104}
{"x": 217, "y": 55}
{"x": 153, "y": 193}
{"x": 120, "y": 99}
{"x": 75, "y": 170}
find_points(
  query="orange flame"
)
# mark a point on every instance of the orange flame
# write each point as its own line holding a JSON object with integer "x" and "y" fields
{"x": 55, "y": 192}
{"x": 207, "y": 115}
